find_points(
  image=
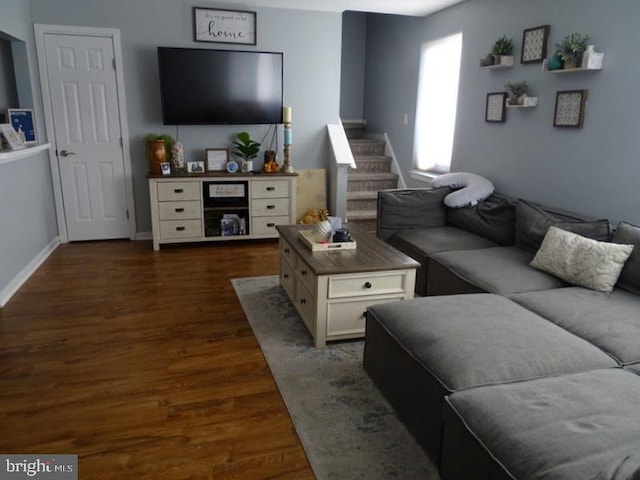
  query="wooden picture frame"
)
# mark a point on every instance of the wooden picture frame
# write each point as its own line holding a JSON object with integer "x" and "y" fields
{"x": 10, "y": 138}
{"x": 569, "y": 109}
{"x": 224, "y": 26}
{"x": 22, "y": 119}
{"x": 217, "y": 159}
{"x": 195, "y": 167}
{"x": 534, "y": 44}
{"x": 496, "y": 107}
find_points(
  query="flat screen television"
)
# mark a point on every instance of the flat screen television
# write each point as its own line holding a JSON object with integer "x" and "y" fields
{"x": 220, "y": 87}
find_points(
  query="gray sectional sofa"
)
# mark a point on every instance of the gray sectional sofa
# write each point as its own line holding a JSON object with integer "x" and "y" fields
{"x": 501, "y": 370}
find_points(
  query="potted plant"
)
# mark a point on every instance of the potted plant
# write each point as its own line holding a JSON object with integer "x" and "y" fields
{"x": 503, "y": 47}
{"x": 571, "y": 49}
{"x": 246, "y": 148}
{"x": 158, "y": 150}
{"x": 518, "y": 92}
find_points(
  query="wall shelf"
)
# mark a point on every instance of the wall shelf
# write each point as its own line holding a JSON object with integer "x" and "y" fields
{"x": 531, "y": 102}
{"x": 568, "y": 70}
{"x": 8, "y": 156}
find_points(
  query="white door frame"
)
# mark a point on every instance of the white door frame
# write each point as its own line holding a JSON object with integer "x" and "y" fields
{"x": 114, "y": 34}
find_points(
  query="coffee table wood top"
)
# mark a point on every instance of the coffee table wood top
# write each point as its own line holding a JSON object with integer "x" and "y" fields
{"x": 371, "y": 254}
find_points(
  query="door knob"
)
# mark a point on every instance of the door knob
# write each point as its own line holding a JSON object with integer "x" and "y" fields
{"x": 65, "y": 153}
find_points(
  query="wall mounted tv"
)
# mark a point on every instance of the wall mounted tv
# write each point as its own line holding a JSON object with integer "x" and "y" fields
{"x": 220, "y": 87}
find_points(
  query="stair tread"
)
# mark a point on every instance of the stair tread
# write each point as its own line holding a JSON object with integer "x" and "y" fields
{"x": 372, "y": 158}
{"x": 366, "y": 195}
{"x": 362, "y": 214}
{"x": 355, "y": 175}
{"x": 366, "y": 141}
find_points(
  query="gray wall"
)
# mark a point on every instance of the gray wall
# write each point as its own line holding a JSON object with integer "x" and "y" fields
{"x": 354, "y": 49}
{"x": 27, "y": 214}
{"x": 311, "y": 42}
{"x": 594, "y": 170}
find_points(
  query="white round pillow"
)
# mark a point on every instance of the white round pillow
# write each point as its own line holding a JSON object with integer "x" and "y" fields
{"x": 473, "y": 188}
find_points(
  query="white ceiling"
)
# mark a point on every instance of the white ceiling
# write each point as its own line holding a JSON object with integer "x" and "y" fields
{"x": 399, "y": 7}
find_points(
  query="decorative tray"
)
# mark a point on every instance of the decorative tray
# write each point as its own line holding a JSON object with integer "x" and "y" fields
{"x": 307, "y": 238}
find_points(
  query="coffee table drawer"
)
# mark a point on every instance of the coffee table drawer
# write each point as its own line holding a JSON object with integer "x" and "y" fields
{"x": 380, "y": 283}
{"x": 287, "y": 278}
{"x": 306, "y": 306}
{"x": 305, "y": 274}
{"x": 286, "y": 252}
{"x": 348, "y": 318}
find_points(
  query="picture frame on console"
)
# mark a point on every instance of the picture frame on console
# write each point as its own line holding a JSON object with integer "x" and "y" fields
{"x": 217, "y": 159}
{"x": 195, "y": 167}
{"x": 9, "y": 137}
{"x": 23, "y": 121}
{"x": 224, "y": 26}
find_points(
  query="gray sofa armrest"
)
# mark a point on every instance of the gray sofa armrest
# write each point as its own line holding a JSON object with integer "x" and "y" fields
{"x": 399, "y": 209}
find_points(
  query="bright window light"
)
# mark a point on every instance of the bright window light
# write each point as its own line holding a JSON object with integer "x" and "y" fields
{"x": 436, "y": 105}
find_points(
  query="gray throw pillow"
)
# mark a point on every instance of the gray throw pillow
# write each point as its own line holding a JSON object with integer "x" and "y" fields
{"x": 629, "y": 234}
{"x": 532, "y": 223}
{"x": 580, "y": 260}
{"x": 493, "y": 218}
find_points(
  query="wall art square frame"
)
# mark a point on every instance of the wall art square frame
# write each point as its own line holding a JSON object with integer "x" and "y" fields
{"x": 217, "y": 159}
{"x": 534, "y": 44}
{"x": 496, "y": 107}
{"x": 569, "y": 109}
{"x": 225, "y": 26}
{"x": 23, "y": 119}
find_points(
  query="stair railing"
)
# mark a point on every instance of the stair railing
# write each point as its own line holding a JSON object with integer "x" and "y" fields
{"x": 341, "y": 162}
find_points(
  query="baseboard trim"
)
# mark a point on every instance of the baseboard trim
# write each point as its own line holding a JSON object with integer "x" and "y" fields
{"x": 14, "y": 285}
{"x": 144, "y": 236}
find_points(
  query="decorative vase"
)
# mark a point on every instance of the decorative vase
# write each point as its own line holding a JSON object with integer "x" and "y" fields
{"x": 521, "y": 99}
{"x": 570, "y": 62}
{"x": 156, "y": 154}
{"x": 177, "y": 156}
{"x": 555, "y": 63}
{"x": 322, "y": 231}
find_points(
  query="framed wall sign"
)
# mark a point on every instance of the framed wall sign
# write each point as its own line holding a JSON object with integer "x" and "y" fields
{"x": 569, "y": 111}
{"x": 224, "y": 26}
{"x": 217, "y": 159}
{"x": 23, "y": 122}
{"x": 534, "y": 44}
{"x": 496, "y": 108}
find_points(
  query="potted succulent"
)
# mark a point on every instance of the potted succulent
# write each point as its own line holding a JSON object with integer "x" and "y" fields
{"x": 571, "y": 49}
{"x": 502, "y": 51}
{"x": 159, "y": 146}
{"x": 246, "y": 148}
{"x": 518, "y": 91}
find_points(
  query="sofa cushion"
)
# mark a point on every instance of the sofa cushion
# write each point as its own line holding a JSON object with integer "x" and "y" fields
{"x": 630, "y": 276}
{"x": 494, "y": 218}
{"x": 569, "y": 427}
{"x": 635, "y": 368}
{"x": 501, "y": 270}
{"x": 473, "y": 188}
{"x": 532, "y": 223}
{"x": 400, "y": 210}
{"x": 482, "y": 339}
{"x": 580, "y": 260}
{"x": 609, "y": 321}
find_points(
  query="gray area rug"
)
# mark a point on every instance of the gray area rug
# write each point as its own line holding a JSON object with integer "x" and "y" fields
{"x": 347, "y": 428}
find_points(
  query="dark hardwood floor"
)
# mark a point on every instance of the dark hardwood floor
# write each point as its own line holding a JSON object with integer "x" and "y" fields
{"x": 144, "y": 364}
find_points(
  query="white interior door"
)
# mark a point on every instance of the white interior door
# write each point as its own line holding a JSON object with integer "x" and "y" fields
{"x": 88, "y": 138}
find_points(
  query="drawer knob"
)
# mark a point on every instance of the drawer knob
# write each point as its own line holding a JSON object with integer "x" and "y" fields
{"x": 270, "y": 207}
{"x": 180, "y": 229}
{"x": 303, "y": 272}
{"x": 179, "y": 210}
{"x": 303, "y": 301}
{"x": 286, "y": 275}
{"x": 178, "y": 190}
{"x": 364, "y": 314}
{"x": 270, "y": 189}
{"x": 286, "y": 250}
{"x": 368, "y": 285}
{"x": 271, "y": 225}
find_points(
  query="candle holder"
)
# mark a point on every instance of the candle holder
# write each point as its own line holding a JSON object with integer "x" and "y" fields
{"x": 286, "y": 165}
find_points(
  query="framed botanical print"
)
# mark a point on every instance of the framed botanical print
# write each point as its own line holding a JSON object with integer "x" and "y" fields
{"x": 495, "y": 109}
{"x": 569, "y": 111}
{"x": 534, "y": 44}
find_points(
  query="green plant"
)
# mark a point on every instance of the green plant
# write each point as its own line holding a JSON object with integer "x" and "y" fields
{"x": 502, "y": 46}
{"x": 517, "y": 88}
{"x": 245, "y": 147}
{"x": 166, "y": 138}
{"x": 573, "y": 46}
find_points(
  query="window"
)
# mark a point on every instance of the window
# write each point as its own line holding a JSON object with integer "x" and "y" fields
{"x": 436, "y": 105}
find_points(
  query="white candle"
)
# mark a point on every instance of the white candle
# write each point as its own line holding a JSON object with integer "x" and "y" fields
{"x": 286, "y": 114}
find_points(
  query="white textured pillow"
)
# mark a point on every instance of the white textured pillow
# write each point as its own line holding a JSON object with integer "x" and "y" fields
{"x": 580, "y": 260}
{"x": 473, "y": 188}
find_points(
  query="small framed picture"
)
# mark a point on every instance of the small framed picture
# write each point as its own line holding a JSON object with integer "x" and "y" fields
{"x": 217, "y": 159}
{"x": 23, "y": 123}
{"x": 534, "y": 44}
{"x": 166, "y": 168}
{"x": 569, "y": 111}
{"x": 9, "y": 137}
{"x": 496, "y": 109}
{"x": 224, "y": 26}
{"x": 195, "y": 167}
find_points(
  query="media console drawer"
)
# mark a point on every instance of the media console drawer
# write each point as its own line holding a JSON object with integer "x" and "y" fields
{"x": 172, "y": 191}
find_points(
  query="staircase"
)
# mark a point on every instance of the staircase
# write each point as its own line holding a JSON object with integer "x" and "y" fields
{"x": 373, "y": 173}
